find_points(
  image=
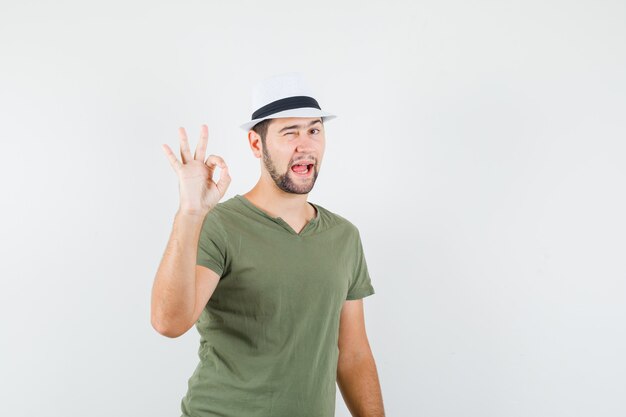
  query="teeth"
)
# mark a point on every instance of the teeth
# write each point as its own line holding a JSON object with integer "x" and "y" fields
{"x": 305, "y": 172}
{"x": 304, "y": 165}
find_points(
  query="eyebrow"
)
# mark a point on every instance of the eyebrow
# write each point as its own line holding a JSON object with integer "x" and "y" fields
{"x": 294, "y": 126}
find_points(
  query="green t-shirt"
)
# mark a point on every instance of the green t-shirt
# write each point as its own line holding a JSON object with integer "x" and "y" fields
{"x": 269, "y": 332}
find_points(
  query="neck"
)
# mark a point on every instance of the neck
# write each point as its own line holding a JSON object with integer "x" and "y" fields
{"x": 278, "y": 203}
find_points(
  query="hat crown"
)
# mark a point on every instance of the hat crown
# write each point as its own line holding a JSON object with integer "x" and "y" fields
{"x": 277, "y": 87}
{"x": 284, "y": 95}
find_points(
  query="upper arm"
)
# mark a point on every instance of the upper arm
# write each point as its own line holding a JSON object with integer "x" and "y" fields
{"x": 210, "y": 261}
{"x": 352, "y": 336}
{"x": 360, "y": 283}
{"x": 206, "y": 282}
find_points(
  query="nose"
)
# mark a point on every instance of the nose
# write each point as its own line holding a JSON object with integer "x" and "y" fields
{"x": 307, "y": 142}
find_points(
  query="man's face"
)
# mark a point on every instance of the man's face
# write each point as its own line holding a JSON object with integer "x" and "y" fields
{"x": 291, "y": 141}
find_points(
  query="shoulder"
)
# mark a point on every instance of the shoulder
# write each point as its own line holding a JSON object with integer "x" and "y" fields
{"x": 223, "y": 209}
{"x": 334, "y": 219}
{"x": 219, "y": 216}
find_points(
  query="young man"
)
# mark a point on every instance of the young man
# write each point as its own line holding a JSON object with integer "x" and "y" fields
{"x": 273, "y": 283}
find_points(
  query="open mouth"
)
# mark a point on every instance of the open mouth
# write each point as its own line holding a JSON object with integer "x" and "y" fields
{"x": 302, "y": 169}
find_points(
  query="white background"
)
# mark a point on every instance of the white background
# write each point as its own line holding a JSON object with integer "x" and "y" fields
{"x": 479, "y": 147}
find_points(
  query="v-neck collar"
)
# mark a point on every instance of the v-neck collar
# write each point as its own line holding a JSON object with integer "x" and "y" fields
{"x": 279, "y": 220}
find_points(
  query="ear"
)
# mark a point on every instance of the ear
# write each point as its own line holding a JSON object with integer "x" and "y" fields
{"x": 254, "y": 139}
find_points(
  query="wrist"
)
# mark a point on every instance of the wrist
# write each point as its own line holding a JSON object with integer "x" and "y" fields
{"x": 192, "y": 212}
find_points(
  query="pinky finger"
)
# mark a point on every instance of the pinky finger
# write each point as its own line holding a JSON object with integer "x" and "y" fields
{"x": 174, "y": 162}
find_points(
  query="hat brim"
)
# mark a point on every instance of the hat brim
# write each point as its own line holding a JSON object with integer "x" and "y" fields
{"x": 301, "y": 112}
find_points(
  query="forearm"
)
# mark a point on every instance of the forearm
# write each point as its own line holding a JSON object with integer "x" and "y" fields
{"x": 357, "y": 379}
{"x": 174, "y": 288}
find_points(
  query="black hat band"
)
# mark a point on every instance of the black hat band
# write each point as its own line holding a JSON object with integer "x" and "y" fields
{"x": 287, "y": 103}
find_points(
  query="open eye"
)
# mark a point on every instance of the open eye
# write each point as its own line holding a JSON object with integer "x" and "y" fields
{"x": 315, "y": 129}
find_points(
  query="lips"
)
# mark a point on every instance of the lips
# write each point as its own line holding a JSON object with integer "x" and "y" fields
{"x": 304, "y": 162}
{"x": 302, "y": 170}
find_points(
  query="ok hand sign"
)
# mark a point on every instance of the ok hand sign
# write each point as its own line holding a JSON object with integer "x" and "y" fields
{"x": 199, "y": 193}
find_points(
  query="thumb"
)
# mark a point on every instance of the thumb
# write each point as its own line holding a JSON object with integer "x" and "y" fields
{"x": 224, "y": 181}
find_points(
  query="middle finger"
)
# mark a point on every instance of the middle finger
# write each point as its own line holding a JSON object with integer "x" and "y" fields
{"x": 201, "y": 148}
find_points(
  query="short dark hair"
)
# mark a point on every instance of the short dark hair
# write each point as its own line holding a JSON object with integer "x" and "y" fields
{"x": 261, "y": 129}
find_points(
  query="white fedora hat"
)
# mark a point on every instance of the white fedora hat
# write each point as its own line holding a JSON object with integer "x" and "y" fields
{"x": 283, "y": 95}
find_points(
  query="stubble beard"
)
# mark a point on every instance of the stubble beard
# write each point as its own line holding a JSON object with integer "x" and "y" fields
{"x": 285, "y": 181}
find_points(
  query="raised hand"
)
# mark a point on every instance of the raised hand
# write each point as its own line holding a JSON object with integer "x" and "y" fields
{"x": 199, "y": 193}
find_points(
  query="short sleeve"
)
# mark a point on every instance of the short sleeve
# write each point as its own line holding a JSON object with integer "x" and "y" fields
{"x": 361, "y": 284}
{"x": 212, "y": 244}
